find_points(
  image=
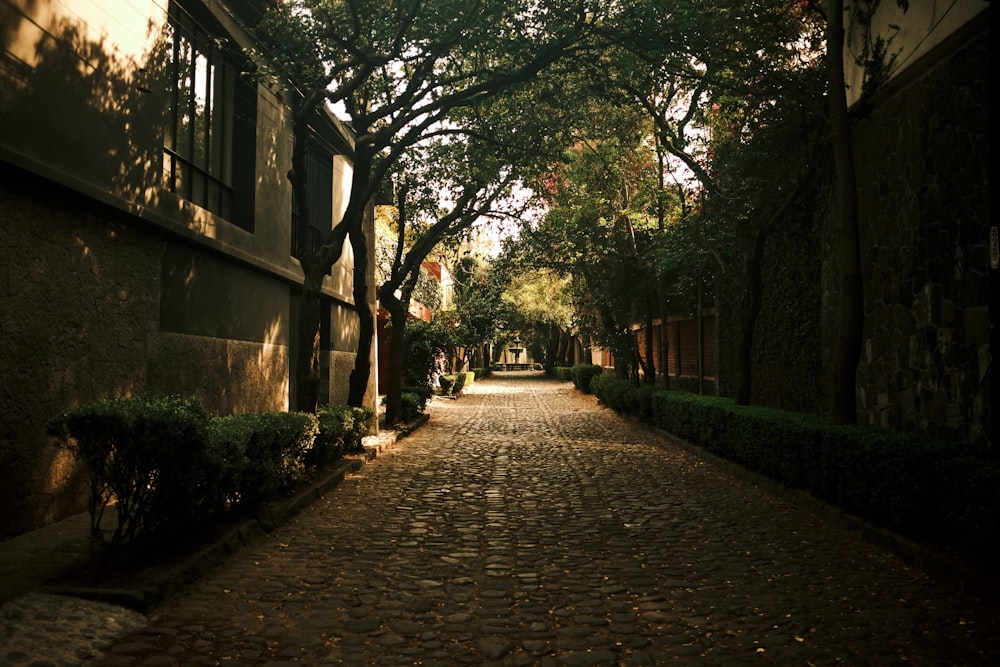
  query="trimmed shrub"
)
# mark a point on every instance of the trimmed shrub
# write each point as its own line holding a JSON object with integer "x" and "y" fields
{"x": 149, "y": 456}
{"x": 624, "y": 396}
{"x": 334, "y": 425}
{"x": 423, "y": 394}
{"x": 582, "y": 374}
{"x": 410, "y": 406}
{"x": 564, "y": 373}
{"x": 275, "y": 447}
{"x": 923, "y": 488}
{"x": 452, "y": 384}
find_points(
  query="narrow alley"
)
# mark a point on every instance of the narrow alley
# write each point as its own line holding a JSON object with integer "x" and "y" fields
{"x": 525, "y": 525}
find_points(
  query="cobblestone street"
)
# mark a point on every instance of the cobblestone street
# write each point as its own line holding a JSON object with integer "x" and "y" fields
{"x": 525, "y": 525}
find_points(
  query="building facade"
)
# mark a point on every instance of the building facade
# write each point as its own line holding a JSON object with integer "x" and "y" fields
{"x": 146, "y": 227}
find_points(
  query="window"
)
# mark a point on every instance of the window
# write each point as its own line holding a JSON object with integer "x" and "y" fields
{"x": 210, "y": 137}
{"x": 319, "y": 193}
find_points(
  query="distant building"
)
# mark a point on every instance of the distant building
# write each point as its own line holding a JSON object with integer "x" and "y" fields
{"x": 146, "y": 239}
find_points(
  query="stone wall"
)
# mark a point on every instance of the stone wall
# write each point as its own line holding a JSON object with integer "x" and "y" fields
{"x": 922, "y": 158}
{"x": 79, "y": 291}
{"x": 92, "y": 306}
{"x": 786, "y": 362}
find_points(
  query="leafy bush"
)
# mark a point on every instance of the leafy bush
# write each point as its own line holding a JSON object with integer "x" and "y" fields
{"x": 275, "y": 449}
{"x": 452, "y": 384}
{"x": 334, "y": 425}
{"x": 583, "y": 374}
{"x": 341, "y": 431}
{"x": 426, "y": 343}
{"x": 411, "y": 406}
{"x": 481, "y": 372}
{"x": 423, "y": 394}
{"x": 564, "y": 373}
{"x": 922, "y": 488}
{"x": 623, "y": 396}
{"x": 149, "y": 456}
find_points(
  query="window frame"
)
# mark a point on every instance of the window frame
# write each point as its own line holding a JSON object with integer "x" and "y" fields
{"x": 209, "y": 143}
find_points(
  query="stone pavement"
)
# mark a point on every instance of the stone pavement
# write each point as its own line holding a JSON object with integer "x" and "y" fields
{"x": 524, "y": 525}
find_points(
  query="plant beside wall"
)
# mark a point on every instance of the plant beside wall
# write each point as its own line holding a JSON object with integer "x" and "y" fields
{"x": 146, "y": 456}
{"x": 273, "y": 449}
{"x": 168, "y": 468}
{"x": 582, "y": 375}
{"x": 341, "y": 430}
{"x": 934, "y": 491}
{"x": 564, "y": 373}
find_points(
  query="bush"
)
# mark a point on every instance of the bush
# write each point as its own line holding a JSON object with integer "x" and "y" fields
{"x": 426, "y": 343}
{"x": 624, "y": 396}
{"x": 452, "y": 384}
{"x": 481, "y": 373}
{"x": 149, "y": 456}
{"x": 362, "y": 424}
{"x": 564, "y": 373}
{"x": 423, "y": 394}
{"x": 275, "y": 449}
{"x": 582, "y": 375}
{"x": 335, "y": 435}
{"x": 925, "y": 489}
{"x": 410, "y": 406}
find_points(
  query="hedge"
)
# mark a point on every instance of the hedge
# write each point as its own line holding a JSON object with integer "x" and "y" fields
{"x": 925, "y": 489}
{"x": 168, "y": 466}
{"x": 452, "y": 384}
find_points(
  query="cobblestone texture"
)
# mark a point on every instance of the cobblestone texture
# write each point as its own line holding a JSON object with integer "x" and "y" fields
{"x": 523, "y": 525}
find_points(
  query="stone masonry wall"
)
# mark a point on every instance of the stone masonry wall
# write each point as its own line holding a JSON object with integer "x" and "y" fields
{"x": 81, "y": 290}
{"x": 922, "y": 160}
{"x": 78, "y": 317}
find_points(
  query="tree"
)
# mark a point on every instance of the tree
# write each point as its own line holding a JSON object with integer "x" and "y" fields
{"x": 847, "y": 351}
{"x": 601, "y": 203}
{"x": 395, "y": 70}
{"x": 443, "y": 188}
{"x": 480, "y": 312}
{"x": 724, "y": 88}
{"x": 541, "y": 308}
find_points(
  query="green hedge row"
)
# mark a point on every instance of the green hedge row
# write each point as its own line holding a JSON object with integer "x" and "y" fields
{"x": 579, "y": 374}
{"x": 564, "y": 373}
{"x": 452, "y": 384}
{"x": 167, "y": 466}
{"x": 925, "y": 489}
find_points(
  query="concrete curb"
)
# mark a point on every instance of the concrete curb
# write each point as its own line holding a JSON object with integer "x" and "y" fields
{"x": 153, "y": 586}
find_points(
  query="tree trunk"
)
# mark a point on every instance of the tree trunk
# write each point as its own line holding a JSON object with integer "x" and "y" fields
{"x": 398, "y": 312}
{"x": 664, "y": 338}
{"x": 315, "y": 267}
{"x": 361, "y": 374}
{"x": 650, "y": 377}
{"x": 749, "y": 309}
{"x": 587, "y": 353}
{"x": 847, "y": 352}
